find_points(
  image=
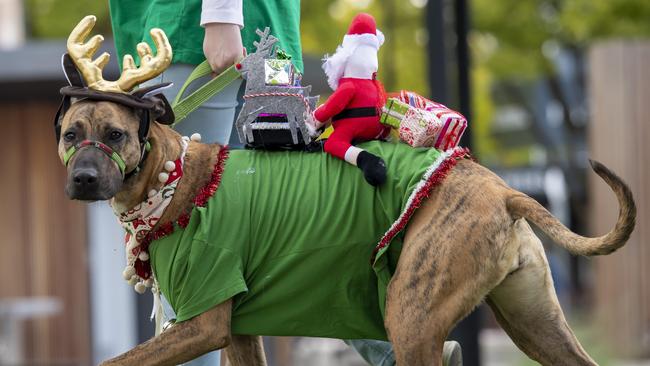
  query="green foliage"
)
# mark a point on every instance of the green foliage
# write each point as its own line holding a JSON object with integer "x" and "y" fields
{"x": 512, "y": 34}
{"x": 588, "y": 20}
{"x": 55, "y": 18}
{"x": 402, "y": 58}
{"x": 516, "y": 33}
{"x": 508, "y": 34}
{"x": 324, "y": 22}
{"x": 515, "y": 40}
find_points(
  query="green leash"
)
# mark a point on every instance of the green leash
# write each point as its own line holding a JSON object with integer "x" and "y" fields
{"x": 185, "y": 106}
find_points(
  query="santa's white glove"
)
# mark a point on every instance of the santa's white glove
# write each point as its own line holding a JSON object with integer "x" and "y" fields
{"x": 313, "y": 125}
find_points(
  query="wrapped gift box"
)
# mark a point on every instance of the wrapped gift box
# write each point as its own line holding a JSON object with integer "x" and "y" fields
{"x": 278, "y": 72}
{"x": 423, "y": 123}
{"x": 393, "y": 112}
{"x": 454, "y": 125}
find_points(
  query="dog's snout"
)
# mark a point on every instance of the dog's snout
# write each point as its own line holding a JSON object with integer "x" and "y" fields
{"x": 85, "y": 178}
{"x": 92, "y": 176}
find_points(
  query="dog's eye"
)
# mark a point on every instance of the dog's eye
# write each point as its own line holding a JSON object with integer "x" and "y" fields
{"x": 116, "y": 135}
{"x": 69, "y": 136}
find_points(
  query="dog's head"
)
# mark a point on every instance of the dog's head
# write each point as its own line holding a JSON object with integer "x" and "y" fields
{"x": 99, "y": 144}
{"x": 102, "y": 126}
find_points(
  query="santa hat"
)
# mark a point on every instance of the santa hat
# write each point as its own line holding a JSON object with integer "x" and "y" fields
{"x": 362, "y": 31}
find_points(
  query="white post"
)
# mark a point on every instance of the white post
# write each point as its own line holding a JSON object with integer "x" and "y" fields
{"x": 113, "y": 312}
{"x": 12, "y": 24}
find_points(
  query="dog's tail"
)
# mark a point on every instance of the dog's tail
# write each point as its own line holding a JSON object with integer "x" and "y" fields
{"x": 521, "y": 205}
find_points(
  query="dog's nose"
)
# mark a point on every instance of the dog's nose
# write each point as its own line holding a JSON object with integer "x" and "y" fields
{"x": 85, "y": 178}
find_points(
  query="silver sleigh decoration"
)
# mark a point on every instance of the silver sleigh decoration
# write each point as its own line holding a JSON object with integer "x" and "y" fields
{"x": 259, "y": 98}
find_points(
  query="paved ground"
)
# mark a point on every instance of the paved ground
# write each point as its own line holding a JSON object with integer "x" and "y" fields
{"x": 497, "y": 350}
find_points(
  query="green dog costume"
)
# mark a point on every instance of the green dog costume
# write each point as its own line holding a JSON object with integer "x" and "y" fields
{"x": 289, "y": 236}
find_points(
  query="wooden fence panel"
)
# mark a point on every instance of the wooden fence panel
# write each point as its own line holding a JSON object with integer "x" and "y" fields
{"x": 43, "y": 247}
{"x": 619, "y": 136}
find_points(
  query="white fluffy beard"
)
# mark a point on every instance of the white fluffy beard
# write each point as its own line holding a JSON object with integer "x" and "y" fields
{"x": 335, "y": 65}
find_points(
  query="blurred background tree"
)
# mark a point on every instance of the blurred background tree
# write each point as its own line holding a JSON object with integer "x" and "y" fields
{"x": 402, "y": 58}
{"x": 517, "y": 43}
{"x": 48, "y": 19}
{"x": 510, "y": 38}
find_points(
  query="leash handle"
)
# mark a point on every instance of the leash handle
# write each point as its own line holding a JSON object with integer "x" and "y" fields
{"x": 184, "y": 106}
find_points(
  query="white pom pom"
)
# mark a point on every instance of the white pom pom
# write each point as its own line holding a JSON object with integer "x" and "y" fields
{"x": 162, "y": 177}
{"x": 140, "y": 287}
{"x": 133, "y": 280}
{"x": 196, "y": 137}
{"x": 128, "y": 272}
{"x": 144, "y": 256}
{"x": 148, "y": 282}
{"x": 185, "y": 138}
{"x": 152, "y": 193}
{"x": 170, "y": 166}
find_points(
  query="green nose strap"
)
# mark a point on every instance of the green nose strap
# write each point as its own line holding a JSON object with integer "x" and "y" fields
{"x": 98, "y": 145}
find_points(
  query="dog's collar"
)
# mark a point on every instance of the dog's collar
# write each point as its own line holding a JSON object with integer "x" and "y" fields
{"x": 144, "y": 152}
{"x": 112, "y": 154}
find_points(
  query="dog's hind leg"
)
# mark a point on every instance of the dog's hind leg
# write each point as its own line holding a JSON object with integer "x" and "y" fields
{"x": 444, "y": 271}
{"x": 527, "y": 308}
{"x": 246, "y": 351}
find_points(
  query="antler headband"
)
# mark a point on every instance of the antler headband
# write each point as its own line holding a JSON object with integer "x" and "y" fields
{"x": 82, "y": 52}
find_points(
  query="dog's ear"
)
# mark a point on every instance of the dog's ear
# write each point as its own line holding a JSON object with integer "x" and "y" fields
{"x": 71, "y": 72}
{"x": 162, "y": 111}
{"x": 63, "y": 108}
{"x": 74, "y": 78}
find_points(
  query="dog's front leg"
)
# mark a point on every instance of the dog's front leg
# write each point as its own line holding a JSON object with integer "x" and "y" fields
{"x": 182, "y": 342}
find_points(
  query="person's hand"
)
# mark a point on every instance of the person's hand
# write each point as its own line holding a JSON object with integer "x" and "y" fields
{"x": 222, "y": 45}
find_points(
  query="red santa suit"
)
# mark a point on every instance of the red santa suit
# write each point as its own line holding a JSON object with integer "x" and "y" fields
{"x": 358, "y": 97}
{"x": 354, "y": 109}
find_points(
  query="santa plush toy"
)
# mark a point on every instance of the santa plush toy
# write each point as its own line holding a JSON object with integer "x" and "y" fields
{"x": 355, "y": 106}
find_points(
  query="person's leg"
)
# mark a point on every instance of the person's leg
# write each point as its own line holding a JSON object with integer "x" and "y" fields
{"x": 215, "y": 118}
{"x": 380, "y": 353}
{"x": 376, "y": 353}
{"x": 234, "y": 142}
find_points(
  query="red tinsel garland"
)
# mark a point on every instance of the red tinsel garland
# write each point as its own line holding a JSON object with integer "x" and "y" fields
{"x": 436, "y": 178}
{"x": 206, "y": 192}
{"x": 143, "y": 268}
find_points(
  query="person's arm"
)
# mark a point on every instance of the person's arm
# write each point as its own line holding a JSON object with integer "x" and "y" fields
{"x": 222, "y": 44}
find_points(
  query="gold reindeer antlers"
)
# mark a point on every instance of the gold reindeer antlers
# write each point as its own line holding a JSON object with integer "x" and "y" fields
{"x": 150, "y": 66}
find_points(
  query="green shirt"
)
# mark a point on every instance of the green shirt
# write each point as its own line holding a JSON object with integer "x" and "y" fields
{"x": 133, "y": 19}
{"x": 290, "y": 235}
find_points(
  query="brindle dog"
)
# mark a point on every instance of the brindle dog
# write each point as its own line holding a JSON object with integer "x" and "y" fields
{"x": 468, "y": 242}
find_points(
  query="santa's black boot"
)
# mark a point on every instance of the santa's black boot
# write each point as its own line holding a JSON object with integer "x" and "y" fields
{"x": 373, "y": 167}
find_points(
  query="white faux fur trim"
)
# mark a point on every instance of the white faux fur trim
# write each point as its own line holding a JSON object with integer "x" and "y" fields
{"x": 334, "y": 65}
{"x": 351, "y": 154}
{"x": 366, "y": 38}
